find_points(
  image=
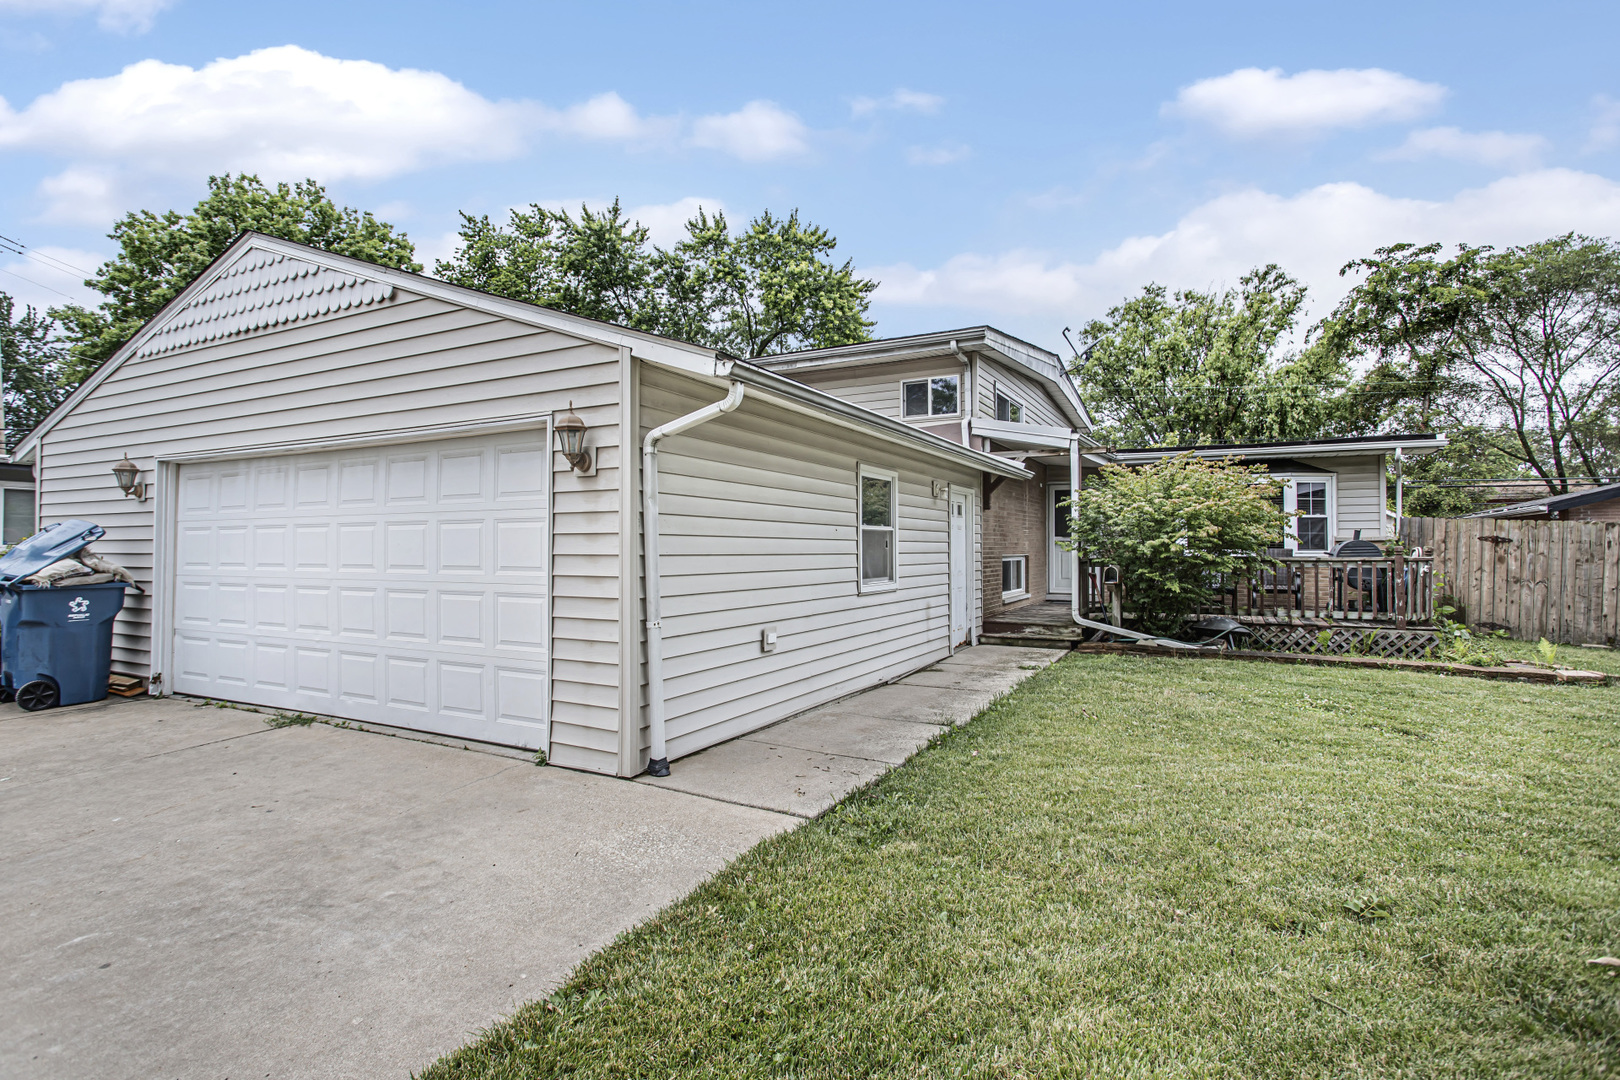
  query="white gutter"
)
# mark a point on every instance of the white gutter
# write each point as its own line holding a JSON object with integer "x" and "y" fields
{"x": 659, "y": 751}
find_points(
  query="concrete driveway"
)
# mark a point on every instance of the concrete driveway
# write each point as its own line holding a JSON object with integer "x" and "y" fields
{"x": 187, "y": 892}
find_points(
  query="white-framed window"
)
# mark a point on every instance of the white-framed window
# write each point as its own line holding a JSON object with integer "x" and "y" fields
{"x": 1008, "y": 410}
{"x": 1014, "y": 577}
{"x": 939, "y": 396}
{"x": 877, "y": 495}
{"x": 1311, "y": 533}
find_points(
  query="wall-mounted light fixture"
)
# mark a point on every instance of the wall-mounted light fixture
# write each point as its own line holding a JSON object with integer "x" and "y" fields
{"x": 128, "y": 475}
{"x": 571, "y": 432}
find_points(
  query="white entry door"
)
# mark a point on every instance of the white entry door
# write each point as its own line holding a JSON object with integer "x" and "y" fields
{"x": 402, "y": 585}
{"x": 961, "y": 567}
{"x": 1059, "y": 563}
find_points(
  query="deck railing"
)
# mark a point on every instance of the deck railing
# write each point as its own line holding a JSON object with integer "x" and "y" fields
{"x": 1396, "y": 590}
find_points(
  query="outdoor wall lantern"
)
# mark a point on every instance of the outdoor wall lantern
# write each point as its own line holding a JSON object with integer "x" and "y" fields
{"x": 571, "y": 430}
{"x": 128, "y": 474}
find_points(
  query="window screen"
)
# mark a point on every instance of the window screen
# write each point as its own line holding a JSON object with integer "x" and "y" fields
{"x": 1009, "y": 410}
{"x": 877, "y": 530}
{"x": 18, "y": 515}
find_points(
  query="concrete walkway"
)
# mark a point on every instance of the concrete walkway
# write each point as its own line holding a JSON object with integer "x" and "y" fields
{"x": 806, "y": 764}
{"x": 189, "y": 892}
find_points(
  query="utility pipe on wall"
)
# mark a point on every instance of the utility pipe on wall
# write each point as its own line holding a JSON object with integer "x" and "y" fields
{"x": 659, "y": 751}
{"x": 1075, "y": 584}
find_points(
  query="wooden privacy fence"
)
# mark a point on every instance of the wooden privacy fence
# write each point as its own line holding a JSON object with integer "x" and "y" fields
{"x": 1558, "y": 580}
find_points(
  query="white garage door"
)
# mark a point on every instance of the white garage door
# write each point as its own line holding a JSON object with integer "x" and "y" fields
{"x": 404, "y": 585}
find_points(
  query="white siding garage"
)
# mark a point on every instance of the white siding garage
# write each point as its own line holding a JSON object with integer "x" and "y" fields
{"x": 401, "y": 585}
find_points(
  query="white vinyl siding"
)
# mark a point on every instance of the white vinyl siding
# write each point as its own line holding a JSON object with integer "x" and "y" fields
{"x": 1358, "y": 496}
{"x": 758, "y": 527}
{"x": 407, "y": 363}
{"x": 877, "y": 386}
{"x": 1038, "y": 407}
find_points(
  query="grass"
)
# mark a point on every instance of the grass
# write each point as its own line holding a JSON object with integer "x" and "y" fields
{"x": 1136, "y": 867}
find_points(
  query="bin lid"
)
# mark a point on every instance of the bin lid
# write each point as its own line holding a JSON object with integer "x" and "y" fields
{"x": 63, "y": 540}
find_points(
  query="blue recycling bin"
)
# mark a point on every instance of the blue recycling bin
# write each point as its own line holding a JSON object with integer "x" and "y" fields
{"x": 55, "y": 643}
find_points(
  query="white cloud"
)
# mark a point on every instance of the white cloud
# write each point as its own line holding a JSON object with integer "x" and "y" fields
{"x": 285, "y": 111}
{"x": 943, "y": 154}
{"x": 1251, "y": 102}
{"x": 82, "y": 196}
{"x": 759, "y": 131}
{"x": 666, "y": 222}
{"x": 901, "y": 100}
{"x": 119, "y": 16}
{"x": 1498, "y": 148}
{"x": 1605, "y": 125}
{"x": 1311, "y": 235}
{"x": 55, "y": 276}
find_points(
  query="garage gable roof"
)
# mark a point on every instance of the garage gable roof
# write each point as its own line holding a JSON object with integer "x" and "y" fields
{"x": 263, "y": 281}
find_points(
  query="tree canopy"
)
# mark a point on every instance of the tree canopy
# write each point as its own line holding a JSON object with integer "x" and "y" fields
{"x": 160, "y": 254}
{"x": 1191, "y": 367}
{"x": 1519, "y": 347}
{"x": 771, "y": 288}
{"x": 34, "y": 366}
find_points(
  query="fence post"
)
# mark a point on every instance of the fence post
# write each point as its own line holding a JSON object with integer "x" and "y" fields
{"x": 1398, "y": 586}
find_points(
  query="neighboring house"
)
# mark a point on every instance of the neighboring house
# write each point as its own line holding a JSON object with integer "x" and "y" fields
{"x": 16, "y": 502}
{"x": 1339, "y": 488}
{"x": 353, "y": 501}
{"x": 1591, "y": 504}
{"x": 990, "y": 391}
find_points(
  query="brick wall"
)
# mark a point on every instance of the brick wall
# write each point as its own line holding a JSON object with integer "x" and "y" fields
{"x": 1015, "y": 524}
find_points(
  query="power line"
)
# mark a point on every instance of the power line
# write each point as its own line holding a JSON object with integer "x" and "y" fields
{"x": 36, "y": 284}
{"x": 17, "y": 247}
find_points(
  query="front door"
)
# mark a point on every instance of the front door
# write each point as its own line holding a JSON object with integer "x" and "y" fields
{"x": 961, "y": 567}
{"x": 1059, "y": 563}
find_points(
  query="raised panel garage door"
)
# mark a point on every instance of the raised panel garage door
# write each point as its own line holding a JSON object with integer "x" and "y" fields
{"x": 404, "y": 585}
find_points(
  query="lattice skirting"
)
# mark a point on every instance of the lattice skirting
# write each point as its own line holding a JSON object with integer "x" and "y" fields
{"x": 1344, "y": 640}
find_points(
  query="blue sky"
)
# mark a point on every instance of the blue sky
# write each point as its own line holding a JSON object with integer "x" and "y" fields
{"x": 1024, "y": 165}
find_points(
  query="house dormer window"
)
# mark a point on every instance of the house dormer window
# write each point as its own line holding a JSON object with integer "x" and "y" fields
{"x": 1008, "y": 410}
{"x": 939, "y": 396}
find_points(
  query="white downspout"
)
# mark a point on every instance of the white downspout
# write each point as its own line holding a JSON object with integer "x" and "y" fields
{"x": 659, "y": 751}
{"x": 1074, "y": 493}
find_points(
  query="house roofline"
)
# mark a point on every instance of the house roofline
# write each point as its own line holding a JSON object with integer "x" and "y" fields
{"x": 1422, "y": 442}
{"x": 1044, "y": 365}
{"x": 653, "y": 348}
{"x": 650, "y": 346}
{"x": 1551, "y": 503}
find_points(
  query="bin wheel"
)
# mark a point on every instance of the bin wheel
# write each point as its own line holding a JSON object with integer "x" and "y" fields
{"x": 7, "y": 694}
{"x": 36, "y": 695}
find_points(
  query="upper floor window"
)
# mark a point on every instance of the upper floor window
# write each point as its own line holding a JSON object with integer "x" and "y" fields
{"x": 939, "y": 396}
{"x": 1009, "y": 410}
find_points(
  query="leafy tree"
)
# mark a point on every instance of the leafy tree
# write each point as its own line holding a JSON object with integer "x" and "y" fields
{"x": 1172, "y": 526}
{"x": 33, "y": 368}
{"x": 1193, "y": 367}
{"x": 599, "y": 266}
{"x": 770, "y": 289}
{"x": 1408, "y": 316}
{"x": 1520, "y": 348}
{"x": 160, "y": 254}
{"x": 1435, "y": 484}
{"x": 1542, "y": 352}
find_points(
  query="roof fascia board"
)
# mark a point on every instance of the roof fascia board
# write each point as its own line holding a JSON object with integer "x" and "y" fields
{"x": 25, "y": 449}
{"x": 650, "y": 346}
{"x": 806, "y": 400}
{"x": 1033, "y": 435}
{"x": 1138, "y": 457}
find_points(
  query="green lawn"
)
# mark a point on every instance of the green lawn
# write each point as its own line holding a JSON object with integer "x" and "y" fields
{"x": 1146, "y": 867}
